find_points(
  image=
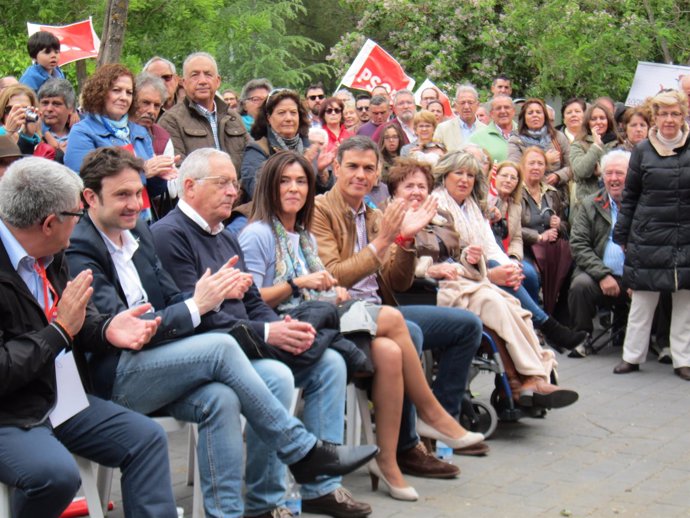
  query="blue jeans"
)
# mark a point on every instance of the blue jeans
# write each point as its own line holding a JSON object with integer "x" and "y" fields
{"x": 528, "y": 300}
{"x": 207, "y": 379}
{"x": 455, "y": 334}
{"x": 37, "y": 461}
{"x": 323, "y": 387}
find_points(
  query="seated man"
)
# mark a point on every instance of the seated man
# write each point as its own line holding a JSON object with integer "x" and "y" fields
{"x": 57, "y": 101}
{"x": 203, "y": 378}
{"x": 48, "y": 320}
{"x": 599, "y": 261}
{"x": 191, "y": 239}
{"x": 359, "y": 247}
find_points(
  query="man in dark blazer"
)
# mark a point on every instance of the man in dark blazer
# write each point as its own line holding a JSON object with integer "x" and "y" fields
{"x": 204, "y": 377}
{"x": 47, "y": 322}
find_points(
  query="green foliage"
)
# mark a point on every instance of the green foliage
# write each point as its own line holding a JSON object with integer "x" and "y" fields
{"x": 549, "y": 47}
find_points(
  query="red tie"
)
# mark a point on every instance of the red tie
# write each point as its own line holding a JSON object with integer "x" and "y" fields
{"x": 49, "y": 309}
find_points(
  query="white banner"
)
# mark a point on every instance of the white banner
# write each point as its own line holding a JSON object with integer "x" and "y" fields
{"x": 650, "y": 78}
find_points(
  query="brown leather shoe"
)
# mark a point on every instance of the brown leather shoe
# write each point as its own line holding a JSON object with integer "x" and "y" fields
{"x": 625, "y": 368}
{"x": 340, "y": 503}
{"x": 476, "y": 450}
{"x": 418, "y": 462}
{"x": 683, "y": 372}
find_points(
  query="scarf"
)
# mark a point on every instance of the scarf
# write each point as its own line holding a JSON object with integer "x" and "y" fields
{"x": 118, "y": 128}
{"x": 288, "y": 265}
{"x": 288, "y": 144}
{"x": 539, "y": 138}
{"x": 468, "y": 219}
{"x": 670, "y": 144}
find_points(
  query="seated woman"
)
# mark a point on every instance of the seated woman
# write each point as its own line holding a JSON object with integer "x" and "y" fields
{"x": 19, "y": 117}
{"x": 350, "y": 118}
{"x": 462, "y": 191}
{"x": 464, "y": 283}
{"x": 635, "y": 125}
{"x": 572, "y": 113}
{"x": 282, "y": 124}
{"x": 544, "y": 226}
{"x": 505, "y": 209}
{"x": 390, "y": 143}
{"x": 281, "y": 255}
{"x": 535, "y": 129}
{"x": 107, "y": 99}
{"x": 424, "y": 124}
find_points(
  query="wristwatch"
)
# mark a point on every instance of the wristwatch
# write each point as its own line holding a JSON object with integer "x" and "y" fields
{"x": 295, "y": 288}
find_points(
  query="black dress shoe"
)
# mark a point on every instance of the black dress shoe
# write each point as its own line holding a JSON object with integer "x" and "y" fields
{"x": 683, "y": 372}
{"x": 625, "y": 368}
{"x": 340, "y": 504}
{"x": 328, "y": 459}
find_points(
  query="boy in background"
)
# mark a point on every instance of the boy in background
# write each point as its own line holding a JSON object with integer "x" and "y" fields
{"x": 44, "y": 49}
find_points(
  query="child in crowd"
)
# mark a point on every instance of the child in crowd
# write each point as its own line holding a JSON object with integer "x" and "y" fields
{"x": 44, "y": 49}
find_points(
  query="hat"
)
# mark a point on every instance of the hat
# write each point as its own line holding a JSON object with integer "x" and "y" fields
{"x": 8, "y": 148}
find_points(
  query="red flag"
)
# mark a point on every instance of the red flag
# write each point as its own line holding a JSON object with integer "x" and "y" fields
{"x": 77, "y": 40}
{"x": 445, "y": 101}
{"x": 374, "y": 67}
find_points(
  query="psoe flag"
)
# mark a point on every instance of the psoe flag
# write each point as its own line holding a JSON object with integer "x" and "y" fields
{"x": 651, "y": 78}
{"x": 77, "y": 40}
{"x": 374, "y": 67}
{"x": 447, "y": 110}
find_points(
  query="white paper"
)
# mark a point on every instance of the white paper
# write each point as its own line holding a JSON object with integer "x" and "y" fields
{"x": 71, "y": 397}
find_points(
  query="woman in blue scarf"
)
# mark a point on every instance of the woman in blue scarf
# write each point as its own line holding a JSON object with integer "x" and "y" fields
{"x": 108, "y": 102}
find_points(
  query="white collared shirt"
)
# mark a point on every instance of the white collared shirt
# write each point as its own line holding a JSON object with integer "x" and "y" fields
{"x": 192, "y": 214}
{"x": 129, "y": 276}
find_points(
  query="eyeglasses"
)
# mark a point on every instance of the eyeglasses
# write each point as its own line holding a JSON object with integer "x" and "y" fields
{"x": 666, "y": 115}
{"x": 221, "y": 181}
{"x": 319, "y": 97}
{"x": 78, "y": 215}
{"x": 167, "y": 77}
{"x": 362, "y": 108}
{"x": 256, "y": 99}
{"x": 337, "y": 111}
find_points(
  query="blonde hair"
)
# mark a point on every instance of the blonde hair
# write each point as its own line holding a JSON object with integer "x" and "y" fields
{"x": 670, "y": 98}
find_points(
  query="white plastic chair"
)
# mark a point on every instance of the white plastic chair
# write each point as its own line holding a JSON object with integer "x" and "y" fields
{"x": 358, "y": 417}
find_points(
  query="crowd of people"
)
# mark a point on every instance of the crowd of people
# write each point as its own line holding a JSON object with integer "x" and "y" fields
{"x": 200, "y": 253}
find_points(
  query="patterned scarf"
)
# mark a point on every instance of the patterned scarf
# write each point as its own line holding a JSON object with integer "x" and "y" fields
{"x": 539, "y": 138}
{"x": 288, "y": 265}
{"x": 467, "y": 218}
{"x": 288, "y": 144}
{"x": 118, "y": 128}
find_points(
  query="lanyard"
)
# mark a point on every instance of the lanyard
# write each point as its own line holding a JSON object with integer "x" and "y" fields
{"x": 48, "y": 292}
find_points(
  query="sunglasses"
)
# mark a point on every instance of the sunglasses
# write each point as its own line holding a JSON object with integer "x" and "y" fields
{"x": 320, "y": 97}
{"x": 362, "y": 108}
{"x": 337, "y": 111}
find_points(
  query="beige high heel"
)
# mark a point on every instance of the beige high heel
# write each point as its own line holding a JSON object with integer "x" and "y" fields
{"x": 469, "y": 439}
{"x": 408, "y": 493}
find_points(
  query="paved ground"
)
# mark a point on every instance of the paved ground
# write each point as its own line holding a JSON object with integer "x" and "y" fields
{"x": 623, "y": 450}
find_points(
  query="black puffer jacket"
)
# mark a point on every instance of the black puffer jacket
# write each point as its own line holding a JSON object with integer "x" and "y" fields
{"x": 654, "y": 219}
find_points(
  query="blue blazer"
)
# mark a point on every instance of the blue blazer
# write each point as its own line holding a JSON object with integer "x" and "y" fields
{"x": 87, "y": 250}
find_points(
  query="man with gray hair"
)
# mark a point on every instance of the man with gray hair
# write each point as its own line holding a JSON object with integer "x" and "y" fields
{"x": 458, "y": 129}
{"x": 404, "y": 109}
{"x": 253, "y": 95}
{"x": 164, "y": 69}
{"x": 494, "y": 137}
{"x": 48, "y": 328}
{"x": 599, "y": 261}
{"x": 378, "y": 115}
{"x": 56, "y": 99}
{"x": 202, "y": 119}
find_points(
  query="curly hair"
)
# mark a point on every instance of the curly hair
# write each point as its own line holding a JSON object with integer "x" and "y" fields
{"x": 99, "y": 84}
{"x": 260, "y": 126}
{"x": 406, "y": 167}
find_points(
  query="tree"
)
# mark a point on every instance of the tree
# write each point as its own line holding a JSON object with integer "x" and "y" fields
{"x": 113, "y": 35}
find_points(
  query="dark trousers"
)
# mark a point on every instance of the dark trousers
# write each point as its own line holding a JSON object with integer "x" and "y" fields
{"x": 585, "y": 298}
{"x": 37, "y": 461}
{"x": 455, "y": 334}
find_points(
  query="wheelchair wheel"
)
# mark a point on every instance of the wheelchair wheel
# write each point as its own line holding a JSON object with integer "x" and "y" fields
{"x": 484, "y": 420}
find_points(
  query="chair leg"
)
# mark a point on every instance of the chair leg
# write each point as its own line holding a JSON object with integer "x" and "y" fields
{"x": 365, "y": 414}
{"x": 197, "y": 498}
{"x": 4, "y": 500}
{"x": 89, "y": 486}
{"x": 352, "y": 418}
{"x": 104, "y": 482}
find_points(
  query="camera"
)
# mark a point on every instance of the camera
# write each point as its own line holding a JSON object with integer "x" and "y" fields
{"x": 31, "y": 115}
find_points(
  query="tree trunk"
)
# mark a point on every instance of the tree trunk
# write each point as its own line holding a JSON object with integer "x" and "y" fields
{"x": 81, "y": 74}
{"x": 662, "y": 41}
{"x": 113, "y": 37}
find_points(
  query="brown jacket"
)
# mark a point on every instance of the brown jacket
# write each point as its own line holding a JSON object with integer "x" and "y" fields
{"x": 334, "y": 228}
{"x": 189, "y": 130}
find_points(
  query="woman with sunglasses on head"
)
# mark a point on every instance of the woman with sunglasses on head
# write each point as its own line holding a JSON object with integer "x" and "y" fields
{"x": 281, "y": 124}
{"x": 331, "y": 114}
